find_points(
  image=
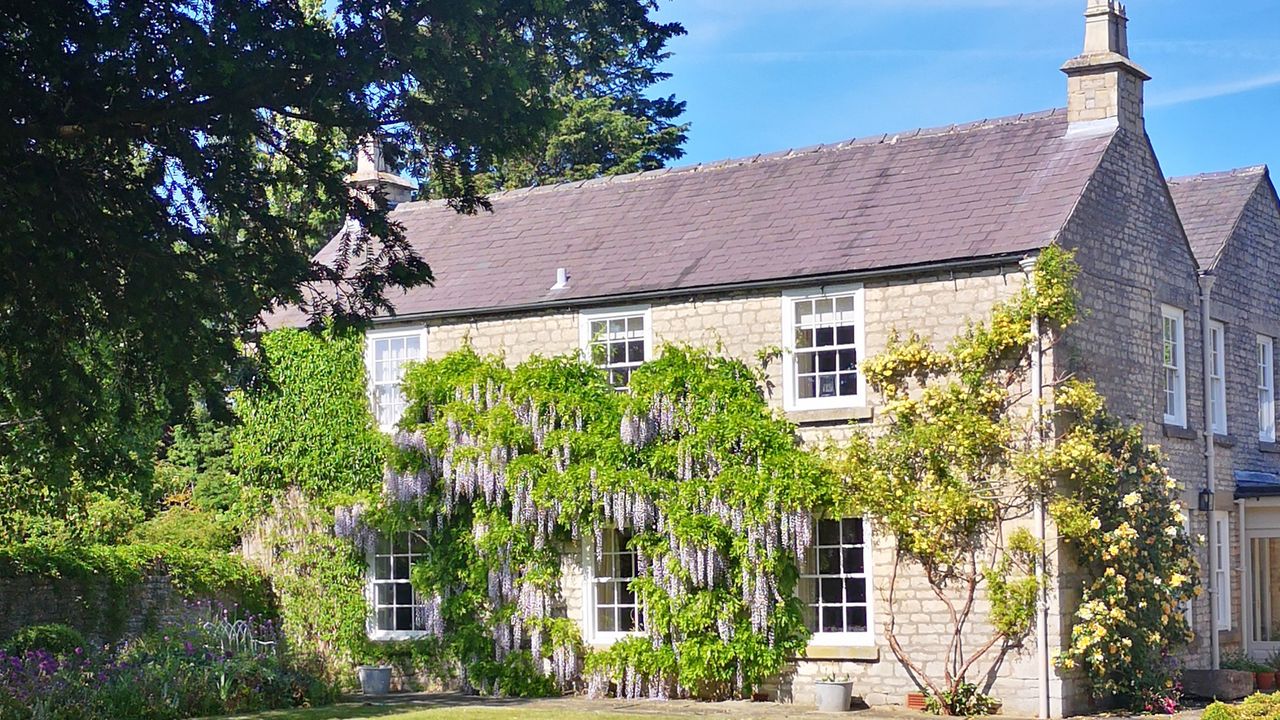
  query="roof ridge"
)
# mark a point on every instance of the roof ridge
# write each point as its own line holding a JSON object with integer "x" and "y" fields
{"x": 1218, "y": 174}
{"x": 882, "y": 138}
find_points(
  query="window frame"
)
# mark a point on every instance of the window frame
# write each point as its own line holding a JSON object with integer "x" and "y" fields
{"x": 791, "y": 400}
{"x": 371, "y": 600}
{"x": 866, "y": 638}
{"x": 371, "y": 338}
{"x": 1266, "y": 388}
{"x": 1218, "y": 376}
{"x": 1221, "y": 520}
{"x": 586, "y": 317}
{"x": 590, "y": 633}
{"x": 1179, "y": 416}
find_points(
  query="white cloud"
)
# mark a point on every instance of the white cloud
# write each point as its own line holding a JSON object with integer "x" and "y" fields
{"x": 1197, "y": 93}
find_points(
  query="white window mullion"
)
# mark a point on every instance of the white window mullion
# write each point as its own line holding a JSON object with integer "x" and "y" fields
{"x": 823, "y": 341}
{"x": 1173, "y": 361}
{"x": 1222, "y": 578}
{"x": 386, "y": 356}
{"x": 835, "y": 583}
{"x": 1266, "y": 390}
{"x": 1217, "y": 377}
{"x": 617, "y": 340}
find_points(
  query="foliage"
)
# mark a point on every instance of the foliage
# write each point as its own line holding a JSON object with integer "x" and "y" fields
{"x": 1258, "y": 706}
{"x": 1121, "y": 514}
{"x": 183, "y": 526}
{"x": 147, "y": 232}
{"x": 307, "y": 423}
{"x": 499, "y": 472}
{"x": 56, "y": 638}
{"x": 942, "y": 476}
{"x": 1240, "y": 661}
{"x": 964, "y": 699}
{"x": 114, "y": 569}
{"x": 204, "y": 667}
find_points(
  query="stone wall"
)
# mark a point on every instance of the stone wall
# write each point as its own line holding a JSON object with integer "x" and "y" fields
{"x": 1245, "y": 302}
{"x": 96, "y": 608}
{"x": 1134, "y": 256}
{"x": 742, "y": 325}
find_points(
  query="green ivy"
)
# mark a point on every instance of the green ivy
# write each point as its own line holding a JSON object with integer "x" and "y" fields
{"x": 308, "y": 423}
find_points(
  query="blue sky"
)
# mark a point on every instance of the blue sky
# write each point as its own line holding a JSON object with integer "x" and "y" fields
{"x": 764, "y": 75}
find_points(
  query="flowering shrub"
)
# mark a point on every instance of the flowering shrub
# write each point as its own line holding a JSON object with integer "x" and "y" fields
{"x": 1123, "y": 518}
{"x": 212, "y": 667}
{"x": 501, "y": 471}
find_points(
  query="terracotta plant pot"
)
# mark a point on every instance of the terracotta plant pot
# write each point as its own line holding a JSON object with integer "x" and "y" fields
{"x": 915, "y": 701}
{"x": 1266, "y": 681}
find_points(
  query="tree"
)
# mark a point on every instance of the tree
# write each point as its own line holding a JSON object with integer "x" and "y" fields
{"x": 944, "y": 479}
{"x": 133, "y": 125}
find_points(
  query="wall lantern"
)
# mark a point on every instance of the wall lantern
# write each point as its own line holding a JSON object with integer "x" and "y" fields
{"x": 1206, "y": 500}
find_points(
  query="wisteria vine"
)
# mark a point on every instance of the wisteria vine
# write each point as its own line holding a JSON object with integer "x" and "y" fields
{"x": 504, "y": 473}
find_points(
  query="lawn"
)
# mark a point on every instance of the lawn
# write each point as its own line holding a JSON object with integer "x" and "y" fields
{"x": 401, "y": 712}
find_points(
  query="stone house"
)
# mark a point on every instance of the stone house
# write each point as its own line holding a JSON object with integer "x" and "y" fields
{"x": 823, "y": 251}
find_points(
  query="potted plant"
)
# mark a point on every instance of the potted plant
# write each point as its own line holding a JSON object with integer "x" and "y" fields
{"x": 375, "y": 679}
{"x": 1264, "y": 676}
{"x": 833, "y": 694}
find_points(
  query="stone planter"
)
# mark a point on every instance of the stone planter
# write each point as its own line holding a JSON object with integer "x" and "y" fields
{"x": 375, "y": 679}
{"x": 1217, "y": 684}
{"x": 833, "y": 696}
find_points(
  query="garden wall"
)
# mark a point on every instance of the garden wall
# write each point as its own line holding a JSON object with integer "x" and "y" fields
{"x": 98, "y": 608}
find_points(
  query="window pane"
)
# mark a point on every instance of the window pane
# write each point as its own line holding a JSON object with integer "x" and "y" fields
{"x": 829, "y": 561}
{"x": 598, "y": 329}
{"x": 404, "y": 594}
{"x": 845, "y": 335}
{"x": 852, "y": 559}
{"x": 804, "y": 363}
{"x": 848, "y": 384}
{"x": 806, "y": 387}
{"x": 400, "y": 568}
{"x": 385, "y": 619}
{"x": 617, "y": 327}
{"x": 635, "y": 324}
{"x": 830, "y": 591}
{"x": 617, "y": 353}
{"x": 856, "y": 619}
{"x": 382, "y": 568}
{"x": 826, "y": 386}
{"x": 851, "y": 531}
{"x": 829, "y": 532}
{"x": 404, "y": 618}
{"x": 635, "y": 351}
{"x": 848, "y": 360}
{"x": 599, "y": 354}
{"x": 832, "y": 619}
{"x": 385, "y": 594}
{"x": 626, "y": 620}
{"x": 804, "y": 338}
{"x": 824, "y": 337}
{"x": 825, "y": 310}
{"x": 804, "y": 312}
{"x": 855, "y": 590}
{"x": 827, "y": 361}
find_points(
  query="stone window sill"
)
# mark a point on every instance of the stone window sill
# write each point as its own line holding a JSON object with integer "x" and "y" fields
{"x": 835, "y": 652}
{"x": 1224, "y": 441}
{"x": 835, "y": 416}
{"x": 1182, "y": 433}
{"x": 1268, "y": 447}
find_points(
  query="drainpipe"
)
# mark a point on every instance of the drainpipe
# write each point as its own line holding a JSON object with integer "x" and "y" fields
{"x": 1038, "y": 511}
{"x": 1206, "y": 287}
{"x": 1246, "y": 589}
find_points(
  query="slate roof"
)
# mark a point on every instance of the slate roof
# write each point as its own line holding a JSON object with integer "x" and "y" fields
{"x": 986, "y": 189}
{"x": 1210, "y": 206}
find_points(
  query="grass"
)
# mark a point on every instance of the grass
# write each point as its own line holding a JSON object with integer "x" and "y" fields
{"x": 464, "y": 712}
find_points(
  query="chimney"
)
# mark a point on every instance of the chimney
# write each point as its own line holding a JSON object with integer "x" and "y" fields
{"x": 1104, "y": 87}
{"x": 371, "y": 172}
